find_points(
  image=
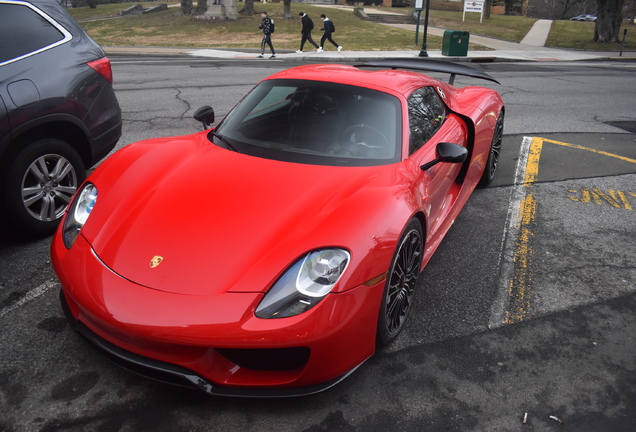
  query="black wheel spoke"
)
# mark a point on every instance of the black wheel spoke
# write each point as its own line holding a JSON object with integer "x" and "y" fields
{"x": 402, "y": 281}
{"x": 494, "y": 152}
{"x": 496, "y": 145}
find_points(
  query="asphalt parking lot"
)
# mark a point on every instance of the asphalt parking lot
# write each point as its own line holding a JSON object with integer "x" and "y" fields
{"x": 571, "y": 224}
{"x": 527, "y": 307}
{"x": 557, "y": 348}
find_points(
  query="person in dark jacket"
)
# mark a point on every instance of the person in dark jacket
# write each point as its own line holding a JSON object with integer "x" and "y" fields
{"x": 266, "y": 25}
{"x": 307, "y": 27}
{"x": 328, "y": 28}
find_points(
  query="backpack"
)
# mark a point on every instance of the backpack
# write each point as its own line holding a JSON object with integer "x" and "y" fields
{"x": 333, "y": 27}
{"x": 310, "y": 24}
{"x": 272, "y": 28}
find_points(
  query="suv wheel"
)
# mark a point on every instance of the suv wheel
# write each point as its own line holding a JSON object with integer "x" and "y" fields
{"x": 40, "y": 184}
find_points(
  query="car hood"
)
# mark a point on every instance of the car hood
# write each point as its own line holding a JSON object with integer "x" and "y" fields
{"x": 185, "y": 216}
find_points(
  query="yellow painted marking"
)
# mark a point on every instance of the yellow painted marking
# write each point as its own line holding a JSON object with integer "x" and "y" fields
{"x": 519, "y": 286}
{"x": 520, "y": 283}
{"x": 532, "y": 166}
{"x": 601, "y": 152}
{"x": 610, "y": 199}
{"x": 623, "y": 198}
{"x": 617, "y": 199}
{"x": 595, "y": 197}
{"x": 586, "y": 197}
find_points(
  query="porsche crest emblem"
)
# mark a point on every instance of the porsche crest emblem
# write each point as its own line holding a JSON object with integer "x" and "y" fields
{"x": 155, "y": 261}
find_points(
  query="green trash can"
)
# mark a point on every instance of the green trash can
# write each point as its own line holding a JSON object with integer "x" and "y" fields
{"x": 455, "y": 43}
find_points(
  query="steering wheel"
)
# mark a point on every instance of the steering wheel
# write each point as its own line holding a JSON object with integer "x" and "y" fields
{"x": 362, "y": 137}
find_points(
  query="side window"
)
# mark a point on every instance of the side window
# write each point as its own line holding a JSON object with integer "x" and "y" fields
{"x": 28, "y": 30}
{"x": 426, "y": 115}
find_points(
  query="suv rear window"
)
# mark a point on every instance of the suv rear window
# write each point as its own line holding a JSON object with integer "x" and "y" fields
{"x": 26, "y": 31}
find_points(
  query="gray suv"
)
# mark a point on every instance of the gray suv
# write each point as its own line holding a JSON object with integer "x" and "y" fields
{"x": 58, "y": 111}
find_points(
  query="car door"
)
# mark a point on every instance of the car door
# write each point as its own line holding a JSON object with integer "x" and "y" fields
{"x": 431, "y": 123}
{"x": 4, "y": 126}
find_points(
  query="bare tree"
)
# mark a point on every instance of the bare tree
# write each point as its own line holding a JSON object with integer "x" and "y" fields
{"x": 186, "y": 7}
{"x": 202, "y": 7}
{"x": 248, "y": 8}
{"x": 608, "y": 23}
{"x": 566, "y": 6}
{"x": 287, "y": 9}
{"x": 513, "y": 7}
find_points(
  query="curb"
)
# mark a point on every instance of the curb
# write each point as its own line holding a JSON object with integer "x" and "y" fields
{"x": 493, "y": 56}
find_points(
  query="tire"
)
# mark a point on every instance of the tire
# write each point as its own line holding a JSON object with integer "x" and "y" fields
{"x": 40, "y": 183}
{"x": 400, "y": 283}
{"x": 495, "y": 151}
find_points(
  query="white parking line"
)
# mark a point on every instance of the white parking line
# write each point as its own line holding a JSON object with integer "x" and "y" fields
{"x": 31, "y": 295}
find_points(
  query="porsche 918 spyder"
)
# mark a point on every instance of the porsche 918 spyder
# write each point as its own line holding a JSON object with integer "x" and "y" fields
{"x": 272, "y": 254}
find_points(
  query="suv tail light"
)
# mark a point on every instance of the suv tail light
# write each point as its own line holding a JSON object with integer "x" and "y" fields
{"x": 102, "y": 67}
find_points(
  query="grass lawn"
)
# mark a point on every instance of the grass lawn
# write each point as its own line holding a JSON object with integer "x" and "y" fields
{"x": 579, "y": 35}
{"x": 167, "y": 29}
{"x": 510, "y": 28}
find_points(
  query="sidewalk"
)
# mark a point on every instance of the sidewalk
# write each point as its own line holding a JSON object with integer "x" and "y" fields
{"x": 514, "y": 53}
{"x": 531, "y": 48}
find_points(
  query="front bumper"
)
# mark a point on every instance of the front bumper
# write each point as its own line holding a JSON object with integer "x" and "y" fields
{"x": 166, "y": 336}
{"x": 180, "y": 376}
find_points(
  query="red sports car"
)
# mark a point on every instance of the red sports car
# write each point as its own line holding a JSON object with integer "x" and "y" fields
{"x": 272, "y": 254}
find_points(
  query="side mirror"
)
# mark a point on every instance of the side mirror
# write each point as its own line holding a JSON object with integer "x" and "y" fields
{"x": 205, "y": 115}
{"x": 447, "y": 152}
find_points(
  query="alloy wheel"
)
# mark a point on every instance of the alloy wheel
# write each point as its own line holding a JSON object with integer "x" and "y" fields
{"x": 402, "y": 280}
{"x": 48, "y": 186}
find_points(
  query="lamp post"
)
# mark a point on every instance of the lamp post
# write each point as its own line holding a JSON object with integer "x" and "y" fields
{"x": 423, "y": 52}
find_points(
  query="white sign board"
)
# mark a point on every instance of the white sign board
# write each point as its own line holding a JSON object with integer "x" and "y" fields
{"x": 474, "y": 6}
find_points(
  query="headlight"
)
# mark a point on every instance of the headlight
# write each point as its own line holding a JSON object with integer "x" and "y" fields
{"x": 304, "y": 284}
{"x": 78, "y": 213}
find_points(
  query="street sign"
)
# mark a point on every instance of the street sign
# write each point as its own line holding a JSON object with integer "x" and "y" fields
{"x": 474, "y": 6}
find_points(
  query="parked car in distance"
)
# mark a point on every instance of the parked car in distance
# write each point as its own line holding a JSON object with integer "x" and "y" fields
{"x": 584, "y": 17}
{"x": 58, "y": 111}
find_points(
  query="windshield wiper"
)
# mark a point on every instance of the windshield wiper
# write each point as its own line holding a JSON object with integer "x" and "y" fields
{"x": 224, "y": 141}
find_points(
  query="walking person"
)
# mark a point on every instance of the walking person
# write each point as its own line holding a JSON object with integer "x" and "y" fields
{"x": 267, "y": 25}
{"x": 307, "y": 26}
{"x": 328, "y": 28}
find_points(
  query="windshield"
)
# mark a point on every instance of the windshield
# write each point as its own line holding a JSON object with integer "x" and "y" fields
{"x": 316, "y": 123}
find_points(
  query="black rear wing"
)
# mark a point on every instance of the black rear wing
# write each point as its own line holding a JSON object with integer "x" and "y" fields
{"x": 420, "y": 64}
